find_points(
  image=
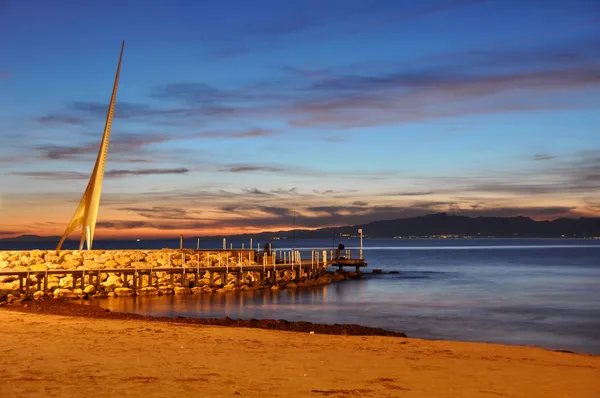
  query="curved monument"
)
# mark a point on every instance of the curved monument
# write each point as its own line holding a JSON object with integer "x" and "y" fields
{"x": 87, "y": 210}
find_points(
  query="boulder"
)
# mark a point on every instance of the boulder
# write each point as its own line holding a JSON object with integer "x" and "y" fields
{"x": 89, "y": 289}
{"x": 124, "y": 292}
{"x": 65, "y": 294}
{"x": 181, "y": 290}
{"x": 148, "y": 291}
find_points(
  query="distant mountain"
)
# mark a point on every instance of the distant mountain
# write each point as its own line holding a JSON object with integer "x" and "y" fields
{"x": 426, "y": 226}
{"x": 444, "y": 224}
{"x": 31, "y": 238}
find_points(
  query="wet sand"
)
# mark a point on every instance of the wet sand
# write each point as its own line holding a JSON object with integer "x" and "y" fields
{"x": 54, "y": 355}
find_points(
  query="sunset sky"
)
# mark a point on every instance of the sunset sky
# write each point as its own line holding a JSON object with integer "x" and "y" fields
{"x": 232, "y": 116}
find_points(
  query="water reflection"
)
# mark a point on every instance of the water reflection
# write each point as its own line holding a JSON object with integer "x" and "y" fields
{"x": 545, "y": 297}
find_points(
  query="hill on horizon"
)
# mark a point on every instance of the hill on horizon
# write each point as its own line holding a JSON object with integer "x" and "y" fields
{"x": 423, "y": 226}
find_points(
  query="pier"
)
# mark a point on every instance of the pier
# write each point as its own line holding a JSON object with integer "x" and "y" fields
{"x": 169, "y": 269}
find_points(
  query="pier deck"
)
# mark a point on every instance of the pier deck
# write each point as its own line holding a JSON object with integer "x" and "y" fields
{"x": 269, "y": 270}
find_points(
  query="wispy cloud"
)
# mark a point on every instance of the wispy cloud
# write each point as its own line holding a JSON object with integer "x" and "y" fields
{"x": 74, "y": 175}
{"x": 123, "y": 144}
{"x": 543, "y": 157}
{"x": 250, "y": 168}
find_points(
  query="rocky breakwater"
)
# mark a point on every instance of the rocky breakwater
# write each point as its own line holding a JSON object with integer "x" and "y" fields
{"x": 114, "y": 284}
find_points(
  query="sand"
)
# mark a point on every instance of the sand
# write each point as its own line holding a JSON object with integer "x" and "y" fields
{"x": 51, "y": 355}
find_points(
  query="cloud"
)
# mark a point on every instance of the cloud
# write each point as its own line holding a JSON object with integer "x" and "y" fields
{"x": 417, "y": 193}
{"x": 75, "y": 175}
{"x": 255, "y": 132}
{"x": 543, "y": 157}
{"x": 251, "y": 169}
{"x": 578, "y": 174}
{"x": 139, "y": 172}
{"x": 401, "y": 97}
{"x": 60, "y": 119}
{"x": 160, "y": 212}
{"x": 256, "y": 191}
{"x": 121, "y": 144}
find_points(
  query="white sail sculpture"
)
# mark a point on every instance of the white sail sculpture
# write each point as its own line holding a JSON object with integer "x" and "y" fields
{"x": 87, "y": 211}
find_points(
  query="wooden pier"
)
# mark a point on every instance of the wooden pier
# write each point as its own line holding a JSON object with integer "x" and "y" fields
{"x": 269, "y": 268}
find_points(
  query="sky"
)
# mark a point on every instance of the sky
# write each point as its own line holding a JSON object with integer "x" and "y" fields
{"x": 244, "y": 116}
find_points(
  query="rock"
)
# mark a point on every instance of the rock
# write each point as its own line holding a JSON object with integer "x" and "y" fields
{"x": 377, "y": 271}
{"x": 229, "y": 288}
{"x": 196, "y": 290}
{"x": 124, "y": 292}
{"x": 89, "y": 289}
{"x": 245, "y": 287}
{"x": 38, "y": 267}
{"x": 37, "y": 254}
{"x": 113, "y": 281}
{"x": 181, "y": 290}
{"x": 111, "y": 294}
{"x": 148, "y": 291}
{"x": 65, "y": 294}
{"x": 207, "y": 289}
{"x": 165, "y": 289}
{"x": 275, "y": 287}
{"x": 38, "y": 295}
{"x": 123, "y": 261}
{"x": 221, "y": 290}
{"x": 66, "y": 282}
{"x": 353, "y": 275}
{"x": 291, "y": 285}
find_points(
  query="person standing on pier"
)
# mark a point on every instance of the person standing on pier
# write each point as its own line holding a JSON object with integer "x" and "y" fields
{"x": 338, "y": 252}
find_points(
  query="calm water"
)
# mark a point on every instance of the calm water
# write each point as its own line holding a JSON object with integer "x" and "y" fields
{"x": 528, "y": 292}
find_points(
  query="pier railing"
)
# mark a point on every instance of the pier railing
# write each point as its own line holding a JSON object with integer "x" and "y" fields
{"x": 182, "y": 264}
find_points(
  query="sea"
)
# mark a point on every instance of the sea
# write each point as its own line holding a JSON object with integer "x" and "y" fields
{"x": 535, "y": 292}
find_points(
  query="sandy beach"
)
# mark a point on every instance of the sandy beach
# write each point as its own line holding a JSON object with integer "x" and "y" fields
{"x": 52, "y": 355}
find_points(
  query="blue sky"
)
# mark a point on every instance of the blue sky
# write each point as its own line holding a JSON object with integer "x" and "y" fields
{"x": 234, "y": 115}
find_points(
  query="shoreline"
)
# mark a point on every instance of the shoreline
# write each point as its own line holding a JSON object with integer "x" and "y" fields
{"x": 54, "y": 355}
{"x": 71, "y": 308}
{"x": 63, "y": 307}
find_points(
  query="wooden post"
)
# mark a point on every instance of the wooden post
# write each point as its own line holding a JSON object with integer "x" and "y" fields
{"x": 27, "y": 282}
{"x": 180, "y": 242}
{"x": 198, "y": 245}
{"x": 46, "y": 281}
{"x": 21, "y": 283}
{"x": 98, "y": 281}
{"x": 224, "y": 243}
